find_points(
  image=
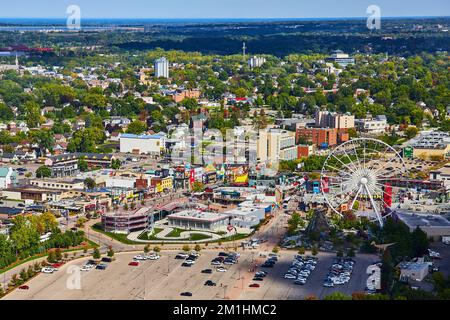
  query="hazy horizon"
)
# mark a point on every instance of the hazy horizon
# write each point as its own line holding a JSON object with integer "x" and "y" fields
{"x": 229, "y": 9}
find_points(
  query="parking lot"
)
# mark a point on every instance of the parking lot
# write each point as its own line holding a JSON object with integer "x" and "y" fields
{"x": 165, "y": 278}
{"x": 276, "y": 287}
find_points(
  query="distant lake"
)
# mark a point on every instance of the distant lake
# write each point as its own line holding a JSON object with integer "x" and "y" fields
{"x": 90, "y": 24}
{"x": 126, "y": 21}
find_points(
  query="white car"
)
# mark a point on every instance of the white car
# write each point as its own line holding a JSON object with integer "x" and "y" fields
{"x": 47, "y": 270}
{"x": 183, "y": 255}
{"x": 216, "y": 263}
{"x": 85, "y": 268}
{"x": 153, "y": 257}
{"x": 221, "y": 269}
{"x": 289, "y": 276}
{"x": 139, "y": 257}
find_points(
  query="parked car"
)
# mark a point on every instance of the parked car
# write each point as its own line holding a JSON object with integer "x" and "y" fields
{"x": 134, "y": 263}
{"x": 101, "y": 266}
{"x": 106, "y": 259}
{"x": 254, "y": 285}
{"x": 210, "y": 283}
{"x": 221, "y": 269}
{"x": 186, "y": 294}
{"x": 185, "y": 264}
{"x": 47, "y": 270}
{"x": 207, "y": 271}
{"x": 24, "y": 287}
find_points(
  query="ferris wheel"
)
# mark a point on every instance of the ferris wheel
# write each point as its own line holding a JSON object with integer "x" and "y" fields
{"x": 357, "y": 175}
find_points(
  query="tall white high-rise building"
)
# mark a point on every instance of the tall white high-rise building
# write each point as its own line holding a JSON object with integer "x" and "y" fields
{"x": 162, "y": 67}
{"x": 255, "y": 61}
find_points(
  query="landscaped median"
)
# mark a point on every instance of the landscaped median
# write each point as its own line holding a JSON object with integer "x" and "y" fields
{"x": 116, "y": 236}
{"x": 172, "y": 235}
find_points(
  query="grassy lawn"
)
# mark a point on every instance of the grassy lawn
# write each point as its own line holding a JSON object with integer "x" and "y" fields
{"x": 175, "y": 233}
{"x": 144, "y": 235}
{"x": 235, "y": 237}
{"x": 116, "y": 236}
{"x": 198, "y": 236}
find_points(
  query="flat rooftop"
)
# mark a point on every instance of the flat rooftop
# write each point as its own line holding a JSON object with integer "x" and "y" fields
{"x": 413, "y": 266}
{"x": 423, "y": 220}
{"x": 198, "y": 215}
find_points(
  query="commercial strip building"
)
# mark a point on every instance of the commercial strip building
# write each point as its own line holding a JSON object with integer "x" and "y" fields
{"x": 198, "y": 220}
{"x": 65, "y": 165}
{"x": 32, "y": 194}
{"x": 58, "y": 184}
{"x": 442, "y": 174}
{"x": 142, "y": 144}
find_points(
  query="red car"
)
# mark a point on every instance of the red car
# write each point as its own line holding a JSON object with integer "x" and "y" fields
{"x": 254, "y": 285}
{"x": 57, "y": 265}
{"x": 134, "y": 263}
{"x": 24, "y": 287}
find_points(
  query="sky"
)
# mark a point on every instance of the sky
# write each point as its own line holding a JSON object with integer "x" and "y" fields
{"x": 186, "y": 9}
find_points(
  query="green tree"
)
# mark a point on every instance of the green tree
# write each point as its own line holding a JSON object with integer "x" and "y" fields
{"x": 110, "y": 252}
{"x": 411, "y": 132}
{"x": 186, "y": 248}
{"x": 337, "y": 296}
{"x": 137, "y": 127}
{"x": 51, "y": 258}
{"x": 198, "y": 186}
{"x": 48, "y": 222}
{"x": 43, "y": 172}
{"x": 82, "y": 165}
{"x": 33, "y": 114}
{"x": 96, "y": 254}
{"x": 293, "y": 222}
{"x": 89, "y": 183}
{"x": 115, "y": 164}
{"x": 23, "y": 275}
{"x": 58, "y": 254}
{"x": 420, "y": 242}
{"x": 157, "y": 249}
{"x": 43, "y": 138}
